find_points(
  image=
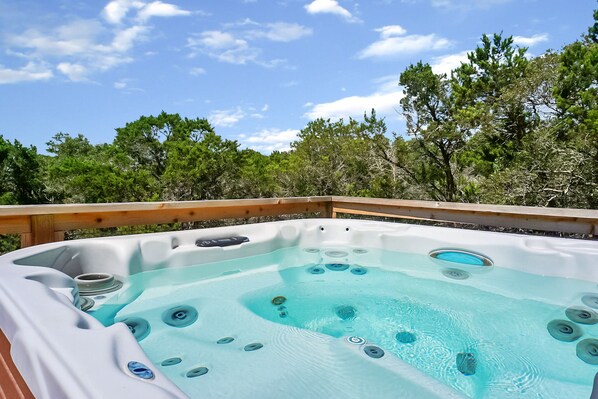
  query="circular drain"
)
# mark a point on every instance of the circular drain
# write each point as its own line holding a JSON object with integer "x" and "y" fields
{"x": 359, "y": 271}
{"x": 140, "y": 370}
{"x": 196, "y": 372}
{"x": 253, "y": 347}
{"x": 337, "y": 267}
{"x": 346, "y": 312}
{"x": 405, "y": 337}
{"x": 590, "y": 300}
{"x": 587, "y": 350}
{"x": 581, "y": 316}
{"x": 336, "y": 254}
{"x": 180, "y": 316}
{"x": 373, "y": 351}
{"x": 356, "y": 340}
{"x": 564, "y": 330}
{"x": 360, "y": 251}
{"x": 316, "y": 270}
{"x": 171, "y": 361}
{"x": 456, "y": 274}
{"x": 311, "y": 250}
{"x": 97, "y": 283}
{"x": 225, "y": 340}
{"x": 86, "y": 303}
{"x": 278, "y": 300}
{"x": 139, "y": 327}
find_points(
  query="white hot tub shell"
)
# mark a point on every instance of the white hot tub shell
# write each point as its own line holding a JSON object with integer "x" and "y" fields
{"x": 63, "y": 352}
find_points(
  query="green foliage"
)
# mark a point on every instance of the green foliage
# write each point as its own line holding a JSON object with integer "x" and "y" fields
{"x": 20, "y": 174}
{"x": 502, "y": 128}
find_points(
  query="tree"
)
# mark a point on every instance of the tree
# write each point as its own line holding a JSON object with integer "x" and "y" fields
{"x": 337, "y": 158}
{"x": 477, "y": 91}
{"x": 437, "y": 135}
{"x": 20, "y": 174}
{"x": 200, "y": 166}
{"x": 576, "y": 90}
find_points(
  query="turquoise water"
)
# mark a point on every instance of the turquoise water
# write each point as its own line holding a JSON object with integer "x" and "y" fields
{"x": 405, "y": 304}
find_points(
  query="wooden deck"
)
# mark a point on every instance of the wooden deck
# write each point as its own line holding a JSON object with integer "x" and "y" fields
{"x": 39, "y": 224}
{"x": 12, "y": 385}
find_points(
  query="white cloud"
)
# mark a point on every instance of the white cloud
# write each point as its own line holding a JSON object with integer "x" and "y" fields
{"x": 227, "y": 117}
{"x": 125, "y": 39}
{"x": 28, "y": 73}
{"x": 80, "y": 47}
{"x": 268, "y": 140}
{"x": 67, "y": 40}
{"x": 265, "y": 108}
{"x": 75, "y": 72}
{"x": 392, "y": 43}
{"x": 116, "y": 10}
{"x": 467, "y": 4}
{"x": 531, "y": 40}
{"x": 281, "y": 32}
{"x": 197, "y": 71}
{"x": 159, "y": 9}
{"x": 120, "y": 85}
{"x": 385, "y": 100}
{"x": 391, "y": 30}
{"x": 235, "y": 46}
{"x": 446, "y": 63}
{"x": 330, "y": 7}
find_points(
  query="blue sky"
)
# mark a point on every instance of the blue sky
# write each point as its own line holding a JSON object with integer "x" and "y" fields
{"x": 259, "y": 70}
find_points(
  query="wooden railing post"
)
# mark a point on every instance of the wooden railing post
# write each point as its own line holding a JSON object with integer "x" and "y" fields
{"x": 42, "y": 229}
{"x": 329, "y": 213}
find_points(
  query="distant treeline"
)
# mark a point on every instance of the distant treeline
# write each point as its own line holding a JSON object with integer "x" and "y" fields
{"x": 503, "y": 128}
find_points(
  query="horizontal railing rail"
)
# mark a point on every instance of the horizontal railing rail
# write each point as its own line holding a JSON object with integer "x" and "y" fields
{"x": 39, "y": 224}
{"x": 562, "y": 220}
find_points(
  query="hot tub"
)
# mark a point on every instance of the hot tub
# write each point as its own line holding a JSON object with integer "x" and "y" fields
{"x": 305, "y": 308}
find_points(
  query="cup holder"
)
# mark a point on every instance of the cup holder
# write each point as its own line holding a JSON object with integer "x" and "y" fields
{"x": 97, "y": 283}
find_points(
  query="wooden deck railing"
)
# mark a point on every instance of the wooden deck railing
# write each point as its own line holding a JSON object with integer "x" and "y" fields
{"x": 39, "y": 224}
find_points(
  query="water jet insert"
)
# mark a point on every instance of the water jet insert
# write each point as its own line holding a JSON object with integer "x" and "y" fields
{"x": 587, "y": 350}
{"x": 356, "y": 340}
{"x": 581, "y": 315}
{"x": 171, "y": 361}
{"x": 91, "y": 284}
{"x": 373, "y": 351}
{"x": 253, "y": 347}
{"x": 316, "y": 270}
{"x": 180, "y": 316}
{"x": 466, "y": 363}
{"x": 456, "y": 274}
{"x": 140, "y": 370}
{"x": 139, "y": 327}
{"x": 278, "y": 300}
{"x": 336, "y": 254}
{"x": 311, "y": 250}
{"x": 337, "y": 267}
{"x": 590, "y": 300}
{"x": 359, "y": 271}
{"x": 225, "y": 340}
{"x": 196, "y": 372}
{"x": 461, "y": 256}
{"x": 346, "y": 312}
{"x": 564, "y": 330}
{"x": 406, "y": 337}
